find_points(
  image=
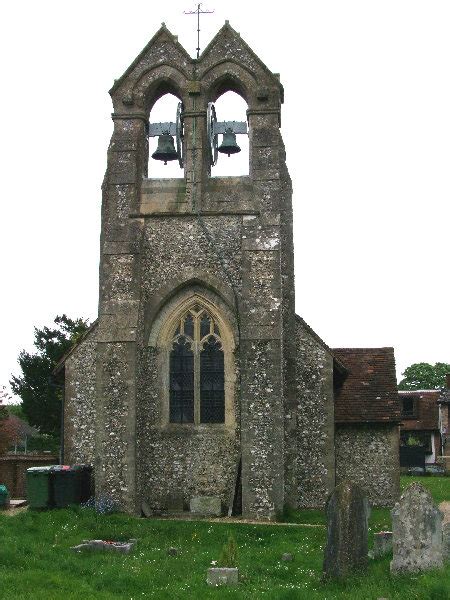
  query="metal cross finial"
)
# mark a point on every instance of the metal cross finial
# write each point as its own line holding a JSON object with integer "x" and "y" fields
{"x": 198, "y": 12}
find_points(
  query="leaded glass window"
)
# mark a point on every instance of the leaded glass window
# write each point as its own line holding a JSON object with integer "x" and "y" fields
{"x": 196, "y": 370}
{"x": 181, "y": 381}
{"x": 212, "y": 389}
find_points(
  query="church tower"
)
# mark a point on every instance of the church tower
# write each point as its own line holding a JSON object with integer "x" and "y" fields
{"x": 186, "y": 384}
{"x": 195, "y": 353}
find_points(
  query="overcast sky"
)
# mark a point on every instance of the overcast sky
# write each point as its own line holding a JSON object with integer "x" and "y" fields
{"x": 366, "y": 123}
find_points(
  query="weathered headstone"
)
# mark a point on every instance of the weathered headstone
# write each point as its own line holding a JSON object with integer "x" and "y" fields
{"x": 347, "y": 511}
{"x": 417, "y": 532}
{"x": 206, "y": 506}
{"x": 382, "y": 543}
{"x": 228, "y": 576}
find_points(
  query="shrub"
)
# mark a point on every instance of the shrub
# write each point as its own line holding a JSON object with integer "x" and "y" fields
{"x": 229, "y": 554}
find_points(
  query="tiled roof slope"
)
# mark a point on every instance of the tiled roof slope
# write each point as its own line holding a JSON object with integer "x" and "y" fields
{"x": 425, "y": 407}
{"x": 369, "y": 393}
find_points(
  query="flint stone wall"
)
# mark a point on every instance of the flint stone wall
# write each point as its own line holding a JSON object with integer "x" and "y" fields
{"x": 367, "y": 454}
{"x": 314, "y": 456}
{"x": 79, "y": 402}
{"x": 188, "y": 460}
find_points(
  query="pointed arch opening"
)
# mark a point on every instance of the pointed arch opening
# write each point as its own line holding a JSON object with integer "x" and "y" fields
{"x": 197, "y": 372}
{"x": 163, "y": 110}
{"x": 230, "y": 106}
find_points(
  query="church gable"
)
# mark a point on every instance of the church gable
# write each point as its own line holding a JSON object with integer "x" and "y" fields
{"x": 228, "y": 52}
{"x": 314, "y": 443}
{"x": 80, "y": 413}
{"x": 163, "y": 60}
{"x": 368, "y": 393}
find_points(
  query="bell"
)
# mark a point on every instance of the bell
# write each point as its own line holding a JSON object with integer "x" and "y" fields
{"x": 229, "y": 145}
{"x": 166, "y": 149}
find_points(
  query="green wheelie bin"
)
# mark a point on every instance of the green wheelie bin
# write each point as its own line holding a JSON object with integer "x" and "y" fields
{"x": 84, "y": 473}
{"x": 66, "y": 488}
{"x": 4, "y": 497}
{"x": 39, "y": 493}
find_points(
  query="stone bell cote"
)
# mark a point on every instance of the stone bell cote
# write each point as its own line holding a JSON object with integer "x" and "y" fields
{"x": 164, "y": 66}
{"x": 222, "y": 245}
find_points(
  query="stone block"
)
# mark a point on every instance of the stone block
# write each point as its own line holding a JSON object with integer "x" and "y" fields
{"x": 223, "y": 576}
{"x": 207, "y": 506}
{"x": 287, "y": 557}
{"x": 382, "y": 543}
{"x": 347, "y": 511}
{"x": 417, "y": 532}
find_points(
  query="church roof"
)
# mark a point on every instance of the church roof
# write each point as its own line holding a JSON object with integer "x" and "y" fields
{"x": 369, "y": 392}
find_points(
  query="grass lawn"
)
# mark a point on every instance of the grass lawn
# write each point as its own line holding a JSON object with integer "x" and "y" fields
{"x": 35, "y": 561}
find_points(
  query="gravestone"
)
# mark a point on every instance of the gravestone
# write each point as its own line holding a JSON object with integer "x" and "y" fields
{"x": 417, "y": 532}
{"x": 347, "y": 511}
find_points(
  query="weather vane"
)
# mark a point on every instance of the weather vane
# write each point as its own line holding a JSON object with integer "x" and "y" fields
{"x": 198, "y": 12}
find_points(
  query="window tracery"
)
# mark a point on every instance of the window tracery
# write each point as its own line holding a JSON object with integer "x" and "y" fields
{"x": 196, "y": 370}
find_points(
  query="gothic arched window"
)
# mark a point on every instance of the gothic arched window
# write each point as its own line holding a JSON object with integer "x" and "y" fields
{"x": 196, "y": 370}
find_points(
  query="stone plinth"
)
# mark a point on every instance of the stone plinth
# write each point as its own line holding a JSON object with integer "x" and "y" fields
{"x": 223, "y": 576}
{"x": 417, "y": 532}
{"x": 347, "y": 513}
{"x": 206, "y": 506}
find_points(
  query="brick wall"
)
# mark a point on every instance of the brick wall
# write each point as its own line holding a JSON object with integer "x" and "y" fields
{"x": 13, "y": 469}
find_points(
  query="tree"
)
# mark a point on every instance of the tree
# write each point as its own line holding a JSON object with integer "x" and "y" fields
{"x": 423, "y": 376}
{"x": 41, "y": 397}
{"x": 17, "y": 410}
